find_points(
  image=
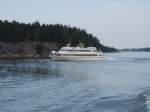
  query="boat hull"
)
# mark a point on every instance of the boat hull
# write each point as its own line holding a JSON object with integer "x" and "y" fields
{"x": 76, "y": 58}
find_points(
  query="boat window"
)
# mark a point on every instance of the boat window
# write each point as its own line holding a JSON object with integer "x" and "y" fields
{"x": 79, "y": 54}
{"x": 80, "y": 50}
{"x": 66, "y": 50}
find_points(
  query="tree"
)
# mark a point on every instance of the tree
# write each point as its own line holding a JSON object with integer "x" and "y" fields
{"x": 57, "y": 33}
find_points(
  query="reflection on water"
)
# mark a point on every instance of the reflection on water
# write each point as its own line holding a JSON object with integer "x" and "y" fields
{"x": 118, "y": 84}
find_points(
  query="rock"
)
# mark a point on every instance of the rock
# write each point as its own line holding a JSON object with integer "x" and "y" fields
{"x": 26, "y": 49}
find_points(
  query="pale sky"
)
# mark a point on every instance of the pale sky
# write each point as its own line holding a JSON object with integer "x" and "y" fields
{"x": 117, "y": 23}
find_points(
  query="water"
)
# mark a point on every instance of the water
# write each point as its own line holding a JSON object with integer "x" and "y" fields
{"x": 121, "y": 83}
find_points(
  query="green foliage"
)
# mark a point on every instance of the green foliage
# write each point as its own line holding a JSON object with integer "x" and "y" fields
{"x": 61, "y": 34}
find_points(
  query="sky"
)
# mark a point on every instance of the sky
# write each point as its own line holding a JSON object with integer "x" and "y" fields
{"x": 116, "y": 23}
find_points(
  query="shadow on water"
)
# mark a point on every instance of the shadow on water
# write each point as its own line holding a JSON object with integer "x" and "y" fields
{"x": 34, "y": 68}
{"x": 44, "y": 68}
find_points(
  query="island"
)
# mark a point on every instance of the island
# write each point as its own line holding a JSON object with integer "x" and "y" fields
{"x": 35, "y": 40}
{"x": 146, "y": 49}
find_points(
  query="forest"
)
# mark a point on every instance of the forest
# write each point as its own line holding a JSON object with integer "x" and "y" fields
{"x": 53, "y": 33}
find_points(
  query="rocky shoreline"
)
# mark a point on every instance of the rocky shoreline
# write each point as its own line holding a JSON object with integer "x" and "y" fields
{"x": 23, "y": 50}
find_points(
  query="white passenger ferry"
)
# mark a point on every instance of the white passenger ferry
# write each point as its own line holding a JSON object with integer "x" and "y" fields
{"x": 77, "y": 53}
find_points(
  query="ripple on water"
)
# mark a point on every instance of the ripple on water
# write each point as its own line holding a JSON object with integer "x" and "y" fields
{"x": 115, "y": 85}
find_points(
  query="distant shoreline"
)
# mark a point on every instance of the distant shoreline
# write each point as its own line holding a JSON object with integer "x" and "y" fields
{"x": 147, "y": 49}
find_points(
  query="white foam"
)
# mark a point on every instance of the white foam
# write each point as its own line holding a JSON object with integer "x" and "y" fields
{"x": 120, "y": 59}
{"x": 147, "y": 102}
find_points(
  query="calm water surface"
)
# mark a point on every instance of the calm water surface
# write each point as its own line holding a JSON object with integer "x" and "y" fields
{"x": 121, "y": 83}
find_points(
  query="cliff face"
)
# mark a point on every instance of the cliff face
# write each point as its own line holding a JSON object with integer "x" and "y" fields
{"x": 26, "y": 49}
